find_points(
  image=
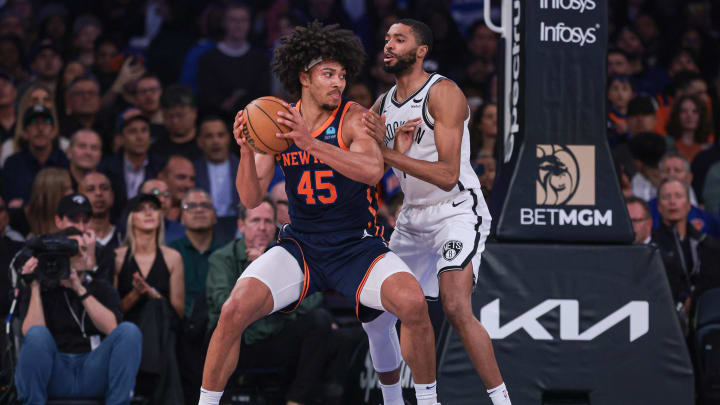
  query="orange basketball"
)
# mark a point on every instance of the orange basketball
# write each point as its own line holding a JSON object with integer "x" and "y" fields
{"x": 261, "y": 126}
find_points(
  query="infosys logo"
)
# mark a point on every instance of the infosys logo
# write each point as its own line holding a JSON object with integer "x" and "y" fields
{"x": 572, "y": 5}
{"x": 569, "y": 35}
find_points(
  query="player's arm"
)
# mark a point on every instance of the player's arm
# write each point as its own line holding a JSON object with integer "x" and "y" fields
{"x": 447, "y": 104}
{"x": 255, "y": 171}
{"x": 362, "y": 161}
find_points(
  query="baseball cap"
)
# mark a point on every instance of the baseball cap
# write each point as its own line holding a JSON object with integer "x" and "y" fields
{"x": 135, "y": 202}
{"x": 121, "y": 122}
{"x": 177, "y": 95}
{"x": 41, "y": 45}
{"x": 74, "y": 204}
{"x": 37, "y": 110}
{"x": 641, "y": 105}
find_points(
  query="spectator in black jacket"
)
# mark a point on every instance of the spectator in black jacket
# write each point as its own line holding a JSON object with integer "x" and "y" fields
{"x": 692, "y": 259}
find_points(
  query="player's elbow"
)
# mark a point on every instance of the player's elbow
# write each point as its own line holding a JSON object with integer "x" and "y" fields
{"x": 250, "y": 201}
{"x": 450, "y": 181}
{"x": 373, "y": 175}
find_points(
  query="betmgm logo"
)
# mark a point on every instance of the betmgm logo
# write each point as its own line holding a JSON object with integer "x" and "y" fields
{"x": 637, "y": 312}
{"x": 565, "y": 176}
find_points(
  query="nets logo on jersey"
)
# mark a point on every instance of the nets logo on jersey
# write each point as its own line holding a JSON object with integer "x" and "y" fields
{"x": 451, "y": 249}
{"x": 566, "y": 175}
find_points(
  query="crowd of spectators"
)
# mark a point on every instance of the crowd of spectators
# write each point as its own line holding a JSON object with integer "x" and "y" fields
{"x": 120, "y": 110}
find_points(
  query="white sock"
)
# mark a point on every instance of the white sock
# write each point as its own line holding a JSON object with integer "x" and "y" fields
{"x": 392, "y": 394}
{"x": 209, "y": 397}
{"x": 499, "y": 395}
{"x": 426, "y": 394}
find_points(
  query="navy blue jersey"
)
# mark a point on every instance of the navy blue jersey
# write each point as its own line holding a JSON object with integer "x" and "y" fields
{"x": 321, "y": 199}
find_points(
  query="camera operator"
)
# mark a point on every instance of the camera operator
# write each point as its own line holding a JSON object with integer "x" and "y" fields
{"x": 74, "y": 345}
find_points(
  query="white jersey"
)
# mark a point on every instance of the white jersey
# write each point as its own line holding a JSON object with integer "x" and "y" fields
{"x": 420, "y": 192}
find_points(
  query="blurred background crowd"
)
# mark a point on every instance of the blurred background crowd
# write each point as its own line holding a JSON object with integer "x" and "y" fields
{"x": 129, "y": 103}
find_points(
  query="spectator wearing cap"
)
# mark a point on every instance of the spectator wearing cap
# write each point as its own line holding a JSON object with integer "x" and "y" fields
{"x": 46, "y": 63}
{"x": 159, "y": 188}
{"x": 134, "y": 164}
{"x": 640, "y": 217}
{"x": 96, "y": 186}
{"x": 691, "y": 258}
{"x": 215, "y": 172}
{"x": 646, "y": 150}
{"x": 8, "y": 97}
{"x": 84, "y": 154}
{"x": 179, "y": 174}
{"x": 180, "y": 114}
{"x": 53, "y": 20}
{"x": 149, "y": 278}
{"x": 234, "y": 73}
{"x": 82, "y": 104}
{"x": 86, "y": 29}
{"x": 40, "y": 130}
{"x": 674, "y": 165}
{"x": 74, "y": 343}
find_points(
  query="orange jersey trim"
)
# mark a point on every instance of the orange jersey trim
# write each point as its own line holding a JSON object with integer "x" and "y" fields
{"x": 362, "y": 284}
{"x": 306, "y": 281}
{"x": 325, "y": 124}
{"x": 340, "y": 125}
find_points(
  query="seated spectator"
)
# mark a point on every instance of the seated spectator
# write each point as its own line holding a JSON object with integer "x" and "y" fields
{"x": 8, "y": 248}
{"x": 483, "y": 131}
{"x": 82, "y": 104}
{"x": 148, "y": 91}
{"x": 74, "y": 344}
{"x": 711, "y": 190}
{"x": 35, "y": 94}
{"x": 11, "y": 55}
{"x": 21, "y": 168}
{"x": 38, "y": 216}
{"x": 619, "y": 94}
{"x": 279, "y": 197}
{"x": 640, "y": 119}
{"x": 646, "y": 150}
{"x": 485, "y": 167}
{"x": 215, "y": 172}
{"x": 149, "y": 278}
{"x": 295, "y": 340}
{"x": 86, "y": 29}
{"x": 640, "y": 217}
{"x": 179, "y": 174}
{"x": 96, "y": 187}
{"x": 8, "y": 114}
{"x": 690, "y": 126}
{"x": 134, "y": 165}
{"x": 234, "y": 73}
{"x": 700, "y": 167}
{"x": 199, "y": 242}
{"x": 173, "y": 228}
{"x": 179, "y": 111}
{"x": 46, "y": 62}
{"x": 84, "y": 154}
{"x": 691, "y": 258}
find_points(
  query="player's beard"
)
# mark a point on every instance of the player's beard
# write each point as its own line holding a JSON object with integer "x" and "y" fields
{"x": 328, "y": 107}
{"x": 402, "y": 63}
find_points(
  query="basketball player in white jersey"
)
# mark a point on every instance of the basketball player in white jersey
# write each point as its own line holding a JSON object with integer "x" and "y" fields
{"x": 441, "y": 230}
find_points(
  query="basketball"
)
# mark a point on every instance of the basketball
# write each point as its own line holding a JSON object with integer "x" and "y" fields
{"x": 261, "y": 126}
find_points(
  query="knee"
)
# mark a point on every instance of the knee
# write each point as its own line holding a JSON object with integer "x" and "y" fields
{"x": 234, "y": 314}
{"x": 38, "y": 337}
{"x": 457, "y": 310}
{"x": 380, "y": 327}
{"x": 413, "y": 309}
{"x": 128, "y": 332}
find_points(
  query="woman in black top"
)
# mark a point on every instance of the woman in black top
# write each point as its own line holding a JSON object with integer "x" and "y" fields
{"x": 144, "y": 267}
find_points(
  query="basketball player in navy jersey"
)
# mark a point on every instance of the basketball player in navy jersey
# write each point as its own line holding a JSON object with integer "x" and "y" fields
{"x": 332, "y": 243}
{"x": 441, "y": 230}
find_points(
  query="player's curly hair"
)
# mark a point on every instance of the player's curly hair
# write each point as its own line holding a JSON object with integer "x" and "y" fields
{"x": 313, "y": 41}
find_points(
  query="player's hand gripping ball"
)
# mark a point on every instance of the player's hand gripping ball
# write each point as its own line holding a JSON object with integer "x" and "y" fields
{"x": 261, "y": 125}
